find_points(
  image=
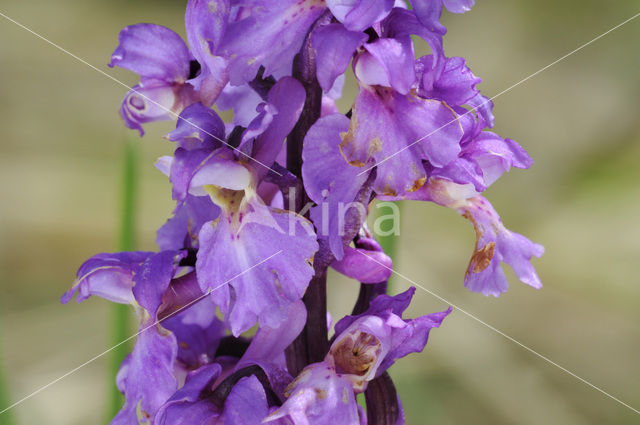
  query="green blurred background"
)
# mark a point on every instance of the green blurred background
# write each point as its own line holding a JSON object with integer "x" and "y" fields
{"x": 60, "y": 155}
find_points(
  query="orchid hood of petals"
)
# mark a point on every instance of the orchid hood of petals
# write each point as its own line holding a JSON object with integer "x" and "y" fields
{"x": 368, "y": 344}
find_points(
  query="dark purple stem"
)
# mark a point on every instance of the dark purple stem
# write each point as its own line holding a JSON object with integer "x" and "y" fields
{"x": 382, "y": 401}
{"x": 313, "y": 343}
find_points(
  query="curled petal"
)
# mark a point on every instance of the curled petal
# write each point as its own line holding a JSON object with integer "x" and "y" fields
{"x": 389, "y": 63}
{"x": 455, "y": 85}
{"x": 155, "y": 101}
{"x": 364, "y": 266}
{"x": 109, "y": 276}
{"x": 496, "y": 244}
{"x": 198, "y": 127}
{"x": 206, "y": 22}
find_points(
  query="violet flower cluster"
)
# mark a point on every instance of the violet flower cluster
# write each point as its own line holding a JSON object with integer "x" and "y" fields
{"x": 232, "y": 308}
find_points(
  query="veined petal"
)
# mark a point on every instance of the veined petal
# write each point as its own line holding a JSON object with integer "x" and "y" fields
{"x": 152, "y": 51}
{"x": 334, "y": 46}
{"x": 206, "y": 22}
{"x": 181, "y": 230}
{"x": 268, "y": 34}
{"x": 318, "y": 396}
{"x": 332, "y": 191}
{"x": 109, "y": 276}
{"x": 389, "y": 63}
{"x": 198, "y": 127}
{"x": 397, "y": 132}
{"x": 256, "y": 262}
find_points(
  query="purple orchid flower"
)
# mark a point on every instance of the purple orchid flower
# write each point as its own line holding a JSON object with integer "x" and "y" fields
{"x": 365, "y": 346}
{"x": 171, "y": 76}
{"x": 232, "y": 312}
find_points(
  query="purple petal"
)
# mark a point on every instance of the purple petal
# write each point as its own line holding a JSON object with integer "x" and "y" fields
{"x": 495, "y": 156}
{"x": 181, "y": 230}
{"x": 155, "y": 101}
{"x": 398, "y": 132}
{"x": 455, "y": 85}
{"x": 185, "y": 407}
{"x": 318, "y": 396}
{"x": 364, "y": 266}
{"x": 255, "y": 244}
{"x": 484, "y": 108}
{"x": 390, "y": 63}
{"x": 268, "y": 34}
{"x": 458, "y": 6}
{"x": 149, "y": 378}
{"x": 268, "y": 345}
{"x": 153, "y": 52}
{"x": 402, "y": 23}
{"x": 287, "y": 97}
{"x": 334, "y": 190}
{"x": 206, "y": 23}
{"x": 198, "y": 127}
{"x": 334, "y": 45}
{"x": 151, "y": 279}
{"x": 196, "y": 327}
{"x": 246, "y": 403}
{"x": 368, "y": 344}
{"x": 192, "y": 170}
{"x": 109, "y": 276}
{"x": 358, "y": 15}
{"x": 495, "y": 244}
{"x": 243, "y": 100}
{"x": 428, "y": 13}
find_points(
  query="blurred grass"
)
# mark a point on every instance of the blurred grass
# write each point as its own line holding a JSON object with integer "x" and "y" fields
{"x": 120, "y": 321}
{"x": 6, "y": 418}
{"x": 59, "y": 159}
